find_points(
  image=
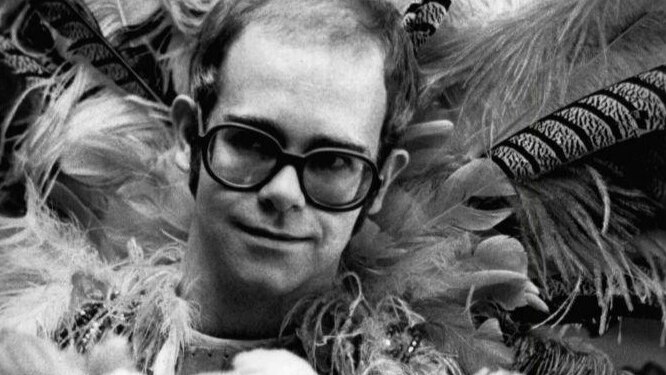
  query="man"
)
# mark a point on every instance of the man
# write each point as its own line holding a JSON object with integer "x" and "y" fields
{"x": 333, "y": 82}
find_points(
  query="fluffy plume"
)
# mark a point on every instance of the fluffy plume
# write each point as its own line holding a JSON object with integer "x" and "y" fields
{"x": 498, "y": 76}
{"x": 595, "y": 237}
{"x": 116, "y": 15}
{"x": 28, "y": 354}
{"x": 37, "y": 261}
{"x": 493, "y": 75}
{"x": 113, "y": 159}
{"x": 41, "y": 258}
{"x": 553, "y": 356}
{"x": 188, "y": 15}
{"x": 331, "y": 324}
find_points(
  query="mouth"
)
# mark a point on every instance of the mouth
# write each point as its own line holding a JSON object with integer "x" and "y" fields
{"x": 273, "y": 235}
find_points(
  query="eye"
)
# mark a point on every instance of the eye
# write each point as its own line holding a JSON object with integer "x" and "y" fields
{"x": 332, "y": 162}
{"x": 247, "y": 141}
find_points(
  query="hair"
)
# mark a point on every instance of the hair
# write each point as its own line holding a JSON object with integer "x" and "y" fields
{"x": 336, "y": 23}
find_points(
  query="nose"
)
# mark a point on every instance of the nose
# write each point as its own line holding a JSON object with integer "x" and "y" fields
{"x": 283, "y": 192}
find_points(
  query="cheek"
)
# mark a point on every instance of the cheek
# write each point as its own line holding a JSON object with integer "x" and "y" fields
{"x": 207, "y": 192}
{"x": 336, "y": 229}
{"x": 213, "y": 203}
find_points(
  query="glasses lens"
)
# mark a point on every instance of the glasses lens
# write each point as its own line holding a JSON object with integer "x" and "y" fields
{"x": 241, "y": 156}
{"x": 336, "y": 179}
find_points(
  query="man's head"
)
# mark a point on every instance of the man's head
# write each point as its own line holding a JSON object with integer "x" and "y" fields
{"x": 312, "y": 74}
{"x": 338, "y": 23}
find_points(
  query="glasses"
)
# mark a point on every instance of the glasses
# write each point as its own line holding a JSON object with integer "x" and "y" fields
{"x": 244, "y": 158}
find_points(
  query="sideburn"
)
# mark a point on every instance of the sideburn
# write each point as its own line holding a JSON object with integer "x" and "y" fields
{"x": 195, "y": 164}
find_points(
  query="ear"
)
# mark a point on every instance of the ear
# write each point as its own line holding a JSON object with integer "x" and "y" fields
{"x": 394, "y": 164}
{"x": 185, "y": 116}
{"x": 185, "y": 120}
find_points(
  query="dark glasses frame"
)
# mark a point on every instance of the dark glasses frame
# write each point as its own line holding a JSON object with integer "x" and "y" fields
{"x": 284, "y": 158}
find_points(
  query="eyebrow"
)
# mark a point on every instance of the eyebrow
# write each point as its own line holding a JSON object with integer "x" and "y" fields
{"x": 271, "y": 127}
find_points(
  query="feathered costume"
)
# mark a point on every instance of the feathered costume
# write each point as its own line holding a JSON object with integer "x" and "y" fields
{"x": 550, "y": 180}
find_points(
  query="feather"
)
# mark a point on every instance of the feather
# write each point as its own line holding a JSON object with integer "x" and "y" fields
{"x": 117, "y": 158}
{"x": 576, "y": 242}
{"x": 116, "y": 15}
{"x": 39, "y": 255}
{"x": 167, "y": 358}
{"x": 188, "y": 15}
{"x": 501, "y": 252}
{"x": 28, "y": 354}
{"x": 496, "y": 74}
{"x": 424, "y": 142}
{"x": 503, "y": 74}
{"x": 438, "y": 196}
{"x": 72, "y": 22}
{"x": 142, "y": 33}
{"x": 538, "y": 355}
{"x": 334, "y": 320}
{"x": 453, "y": 328}
{"x": 472, "y": 219}
{"x": 621, "y": 112}
{"x": 69, "y": 202}
{"x": 478, "y": 178}
{"x": 113, "y": 355}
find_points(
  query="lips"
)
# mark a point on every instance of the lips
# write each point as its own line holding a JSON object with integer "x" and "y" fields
{"x": 272, "y": 234}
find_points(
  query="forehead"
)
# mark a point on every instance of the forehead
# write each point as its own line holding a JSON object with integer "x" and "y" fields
{"x": 307, "y": 90}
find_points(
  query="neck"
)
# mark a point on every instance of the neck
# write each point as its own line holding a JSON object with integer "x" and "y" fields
{"x": 230, "y": 308}
{"x": 236, "y": 314}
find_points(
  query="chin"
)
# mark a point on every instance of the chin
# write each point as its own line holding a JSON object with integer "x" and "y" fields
{"x": 272, "y": 282}
{"x": 255, "y": 265}
{"x": 293, "y": 280}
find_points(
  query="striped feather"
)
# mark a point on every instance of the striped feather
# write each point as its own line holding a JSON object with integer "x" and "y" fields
{"x": 85, "y": 42}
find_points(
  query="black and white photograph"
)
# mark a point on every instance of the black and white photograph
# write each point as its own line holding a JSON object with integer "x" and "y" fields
{"x": 332, "y": 187}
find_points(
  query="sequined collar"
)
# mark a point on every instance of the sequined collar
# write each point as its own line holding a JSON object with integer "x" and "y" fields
{"x": 209, "y": 354}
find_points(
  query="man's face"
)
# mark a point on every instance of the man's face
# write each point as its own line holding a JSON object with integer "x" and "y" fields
{"x": 310, "y": 97}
